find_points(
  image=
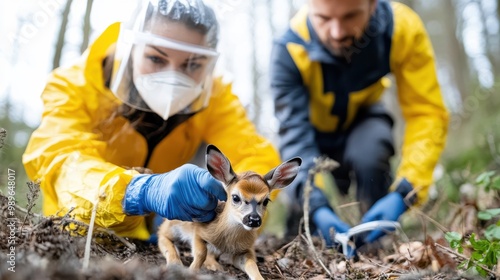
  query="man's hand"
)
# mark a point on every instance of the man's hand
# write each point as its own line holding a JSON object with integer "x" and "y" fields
{"x": 188, "y": 193}
{"x": 324, "y": 219}
{"x": 389, "y": 208}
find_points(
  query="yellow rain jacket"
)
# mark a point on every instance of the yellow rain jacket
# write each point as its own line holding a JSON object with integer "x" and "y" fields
{"x": 304, "y": 73}
{"x": 81, "y": 147}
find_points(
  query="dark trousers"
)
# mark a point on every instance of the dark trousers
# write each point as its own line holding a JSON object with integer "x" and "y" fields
{"x": 364, "y": 151}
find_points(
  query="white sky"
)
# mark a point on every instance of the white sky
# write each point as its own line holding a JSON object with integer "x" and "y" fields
{"x": 35, "y": 45}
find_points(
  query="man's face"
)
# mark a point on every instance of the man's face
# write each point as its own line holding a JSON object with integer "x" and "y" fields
{"x": 339, "y": 22}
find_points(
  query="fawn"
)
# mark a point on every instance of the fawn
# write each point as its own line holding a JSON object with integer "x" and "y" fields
{"x": 234, "y": 230}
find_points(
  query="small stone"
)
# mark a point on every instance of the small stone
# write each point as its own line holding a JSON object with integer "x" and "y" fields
{"x": 285, "y": 263}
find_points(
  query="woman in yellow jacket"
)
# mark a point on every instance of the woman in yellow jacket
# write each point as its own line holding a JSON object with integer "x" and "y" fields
{"x": 142, "y": 95}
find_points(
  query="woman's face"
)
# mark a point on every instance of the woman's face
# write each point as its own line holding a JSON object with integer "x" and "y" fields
{"x": 150, "y": 59}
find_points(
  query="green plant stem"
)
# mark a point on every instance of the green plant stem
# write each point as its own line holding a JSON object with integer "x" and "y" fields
{"x": 465, "y": 258}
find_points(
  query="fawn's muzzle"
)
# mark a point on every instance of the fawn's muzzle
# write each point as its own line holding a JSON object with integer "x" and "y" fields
{"x": 252, "y": 220}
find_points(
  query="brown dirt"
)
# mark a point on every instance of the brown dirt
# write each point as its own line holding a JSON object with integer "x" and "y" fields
{"x": 53, "y": 248}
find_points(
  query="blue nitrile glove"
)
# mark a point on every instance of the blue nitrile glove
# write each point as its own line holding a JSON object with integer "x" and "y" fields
{"x": 390, "y": 208}
{"x": 324, "y": 219}
{"x": 188, "y": 193}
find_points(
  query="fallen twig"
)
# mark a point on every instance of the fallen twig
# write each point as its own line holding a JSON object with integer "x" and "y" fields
{"x": 86, "y": 256}
{"x": 387, "y": 268}
{"x": 279, "y": 270}
{"x": 345, "y": 205}
{"x": 131, "y": 246}
{"x": 25, "y": 212}
{"x": 308, "y": 231}
{"x": 66, "y": 220}
{"x": 321, "y": 164}
{"x": 295, "y": 240}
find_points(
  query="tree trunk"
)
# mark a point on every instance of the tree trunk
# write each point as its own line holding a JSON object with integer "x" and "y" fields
{"x": 292, "y": 9}
{"x": 87, "y": 27}
{"x": 60, "y": 38}
{"x": 498, "y": 40}
{"x": 457, "y": 58}
{"x": 269, "y": 8}
{"x": 498, "y": 9}
{"x": 488, "y": 51}
{"x": 256, "y": 100}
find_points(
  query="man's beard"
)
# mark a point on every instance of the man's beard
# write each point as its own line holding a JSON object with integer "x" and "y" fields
{"x": 343, "y": 50}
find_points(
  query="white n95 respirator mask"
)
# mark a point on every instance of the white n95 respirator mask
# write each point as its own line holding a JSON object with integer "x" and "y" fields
{"x": 167, "y": 93}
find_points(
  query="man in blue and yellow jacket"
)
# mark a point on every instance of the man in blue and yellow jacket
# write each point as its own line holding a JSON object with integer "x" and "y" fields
{"x": 328, "y": 74}
{"x": 142, "y": 95}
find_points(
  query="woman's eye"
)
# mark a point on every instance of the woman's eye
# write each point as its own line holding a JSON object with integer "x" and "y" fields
{"x": 191, "y": 67}
{"x": 155, "y": 59}
{"x": 236, "y": 199}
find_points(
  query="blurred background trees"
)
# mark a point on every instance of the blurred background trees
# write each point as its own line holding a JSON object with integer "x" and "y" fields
{"x": 465, "y": 35}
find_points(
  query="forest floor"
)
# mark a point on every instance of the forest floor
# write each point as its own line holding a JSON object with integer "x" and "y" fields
{"x": 54, "y": 248}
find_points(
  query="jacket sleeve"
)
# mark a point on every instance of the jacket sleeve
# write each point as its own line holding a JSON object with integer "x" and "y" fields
{"x": 232, "y": 131}
{"x": 421, "y": 102}
{"x": 66, "y": 154}
{"x": 291, "y": 105}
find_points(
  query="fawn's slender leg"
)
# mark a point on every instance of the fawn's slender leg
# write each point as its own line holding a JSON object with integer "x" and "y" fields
{"x": 199, "y": 250}
{"x": 166, "y": 245}
{"x": 247, "y": 262}
{"x": 211, "y": 263}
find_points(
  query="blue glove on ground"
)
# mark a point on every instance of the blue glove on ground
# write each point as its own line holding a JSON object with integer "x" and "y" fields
{"x": 390, "y": 208}
{"x": 324, "y": 219}
{"x": 188, "y": 193}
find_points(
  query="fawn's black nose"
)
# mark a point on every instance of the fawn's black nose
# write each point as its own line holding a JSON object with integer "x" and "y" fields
{"x": 252, "y": 220}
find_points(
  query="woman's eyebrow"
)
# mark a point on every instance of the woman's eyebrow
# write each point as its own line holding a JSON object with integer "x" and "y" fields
{"x": 160, "y": 51}
{"x": 197, "y": 57}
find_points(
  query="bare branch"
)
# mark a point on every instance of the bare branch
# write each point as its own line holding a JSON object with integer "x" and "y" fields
{"x": 3, "y": 135}
{"x": 321, "y": 164}
{"x": 61, "y": 36}
{"x": 86, "y": 256}
{"x": 493, "y": 150}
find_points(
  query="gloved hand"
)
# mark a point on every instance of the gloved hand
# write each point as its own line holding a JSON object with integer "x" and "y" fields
{"x": 188, "y": 193}
{"x": 324, "y": 218}
{"x": 389, "y": 207}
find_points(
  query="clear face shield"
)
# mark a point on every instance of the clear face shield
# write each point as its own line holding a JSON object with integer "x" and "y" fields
{"x": 163, "y": 64}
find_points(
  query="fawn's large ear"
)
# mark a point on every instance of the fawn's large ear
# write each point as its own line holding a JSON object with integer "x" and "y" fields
{"x": 218, "y": 165}
{"x": 284, "y": 174}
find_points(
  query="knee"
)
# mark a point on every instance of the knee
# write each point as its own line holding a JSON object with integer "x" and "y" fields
{"x": 370, "y": 147}
{"x": 364, "y": 159}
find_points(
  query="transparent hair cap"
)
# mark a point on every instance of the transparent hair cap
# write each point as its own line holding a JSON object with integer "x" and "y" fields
{"x": 196, "y": 13}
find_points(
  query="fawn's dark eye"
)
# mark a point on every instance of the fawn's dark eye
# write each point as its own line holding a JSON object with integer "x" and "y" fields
{"x": 236, "y": 199}
{"x": 266, "y": 201}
